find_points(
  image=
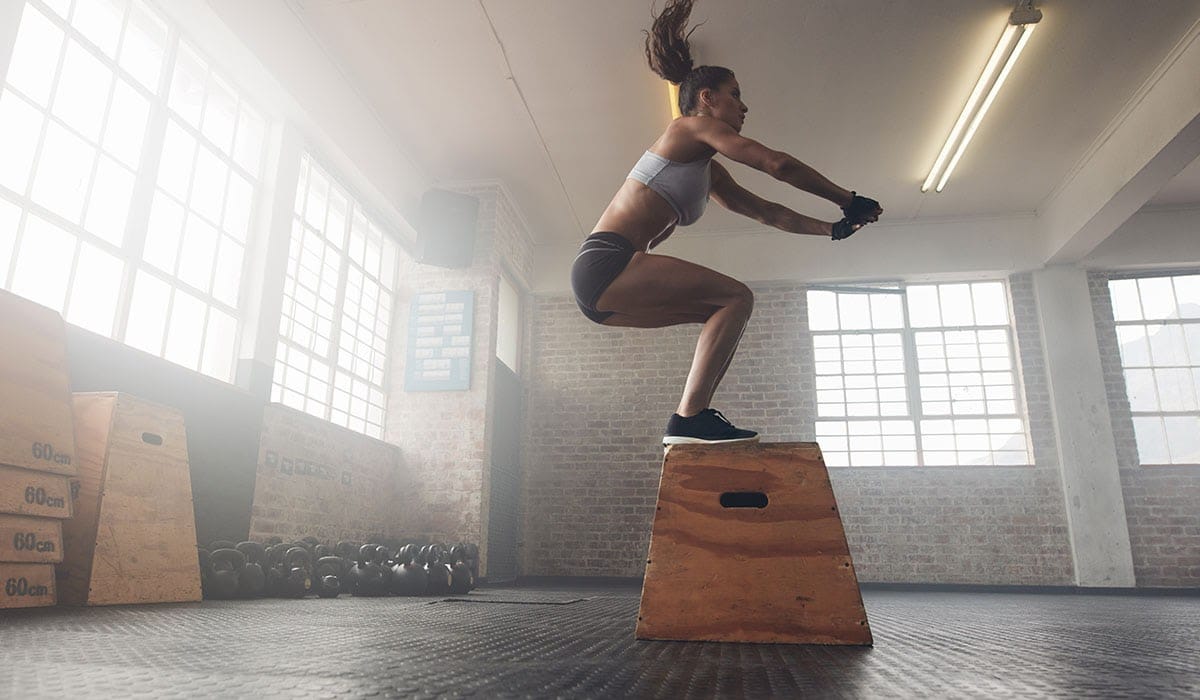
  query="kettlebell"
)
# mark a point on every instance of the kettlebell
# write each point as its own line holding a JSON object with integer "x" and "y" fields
{"x": 408, "y": 577}
{"x": 297, "y": 562}
{"x": 253, "y": 579}
{"x": 368, "y": 575}
{"x": 439, "y": 573}
{"x": 461, "y": 579}
{"x": 226, "y": 564}
{"x": 327, "y": 577}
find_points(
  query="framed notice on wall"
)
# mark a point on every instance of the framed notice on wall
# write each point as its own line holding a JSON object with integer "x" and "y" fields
{"x": 439, "y": 342}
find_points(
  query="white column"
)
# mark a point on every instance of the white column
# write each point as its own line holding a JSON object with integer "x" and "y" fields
{"x": 263, "y": 288}
{"x": 1087, "y": 450}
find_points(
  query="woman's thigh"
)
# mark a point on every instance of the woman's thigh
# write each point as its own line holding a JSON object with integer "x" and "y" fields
{"x": 658, "y": 290}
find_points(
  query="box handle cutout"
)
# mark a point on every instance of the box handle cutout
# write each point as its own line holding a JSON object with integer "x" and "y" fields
{"x": 744, "y": 499}
{"x": 151, "y": 439}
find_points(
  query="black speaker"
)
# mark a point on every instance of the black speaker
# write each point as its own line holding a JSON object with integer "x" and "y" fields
{"x": 446, "y": 235}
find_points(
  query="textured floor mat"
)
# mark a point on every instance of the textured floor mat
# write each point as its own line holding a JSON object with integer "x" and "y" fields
{"x": 926, "y": 645}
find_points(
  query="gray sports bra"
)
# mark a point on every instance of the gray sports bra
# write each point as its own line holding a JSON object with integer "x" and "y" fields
{"x": 684, "y": 185}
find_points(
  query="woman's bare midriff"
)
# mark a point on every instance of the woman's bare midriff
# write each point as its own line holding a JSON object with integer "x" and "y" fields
{"x": 639, "y": 214}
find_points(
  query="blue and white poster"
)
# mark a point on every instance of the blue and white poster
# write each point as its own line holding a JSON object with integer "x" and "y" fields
{"x": 439, "y": 342}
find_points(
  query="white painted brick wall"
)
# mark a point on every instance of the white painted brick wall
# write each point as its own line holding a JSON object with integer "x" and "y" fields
{"x": 599, "y": 399}
{"x": 1162, "y": 504}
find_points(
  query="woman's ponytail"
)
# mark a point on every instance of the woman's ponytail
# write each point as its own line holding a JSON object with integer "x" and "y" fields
{"x": 667, "y": 44}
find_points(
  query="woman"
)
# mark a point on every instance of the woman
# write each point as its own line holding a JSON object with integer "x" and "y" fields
{"x": 617, "y": 282}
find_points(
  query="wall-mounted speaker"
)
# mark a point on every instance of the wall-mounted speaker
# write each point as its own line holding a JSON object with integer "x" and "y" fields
{"x": 446, "y": 235}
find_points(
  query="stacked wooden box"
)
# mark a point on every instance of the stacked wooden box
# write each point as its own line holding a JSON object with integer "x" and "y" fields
{"x": 133, "y": 538}
{"x": 37, "y": 451}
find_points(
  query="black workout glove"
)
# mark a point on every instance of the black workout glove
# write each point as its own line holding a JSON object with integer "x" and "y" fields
{"x": 862, "y": 210}
{"x": 844, "y": 229}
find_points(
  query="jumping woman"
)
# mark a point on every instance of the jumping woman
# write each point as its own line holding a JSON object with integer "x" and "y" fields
{"x": 617, "y": 282}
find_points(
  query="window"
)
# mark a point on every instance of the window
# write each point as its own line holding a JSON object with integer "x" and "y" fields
{"x": 916, "y": 375}
{"x": 331, "y": 360}
{"x": 1158, "y": 332}
{"x": 88, "y": 89}
{"x": 508, "y": 325}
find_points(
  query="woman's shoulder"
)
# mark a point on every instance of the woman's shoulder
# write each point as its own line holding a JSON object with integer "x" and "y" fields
{"x": 680, "y": 141}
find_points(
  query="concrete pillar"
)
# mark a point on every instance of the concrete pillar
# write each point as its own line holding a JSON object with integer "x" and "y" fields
{"x": 1087, "y": 451}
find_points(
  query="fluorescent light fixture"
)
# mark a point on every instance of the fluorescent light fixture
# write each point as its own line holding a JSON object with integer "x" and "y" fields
{"x": 673, "y": 98}
{"x": 1020, "y": 27}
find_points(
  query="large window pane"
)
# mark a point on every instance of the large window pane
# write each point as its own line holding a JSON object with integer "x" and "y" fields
{"x": 94, "y": 294}
{"x": 63, "y": 172}
{"x": 32, "y": 69}
{"x": 82, "y": 96}
{"x": 325, "y": 265}
{"x": 185, "y": 329}
{"x": 75, "y": 122}
{"x": 968, "y": 410}
{"x": 44, "y": 263}
{"x": 108, "y": 206}
{"x": 1161, "y": 362}
{"x": 148, "y": 313}
{"x": 20, "y": 131}
{"x": 100, "y": 21}
{"x": 126, "y": 128}
{"x": 144, "y": 46}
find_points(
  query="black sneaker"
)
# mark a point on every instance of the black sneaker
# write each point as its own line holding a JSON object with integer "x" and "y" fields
{"x": 706, "y": 427}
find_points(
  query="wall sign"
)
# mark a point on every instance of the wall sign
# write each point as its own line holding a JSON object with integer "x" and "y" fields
{"x": 439, "y": 342}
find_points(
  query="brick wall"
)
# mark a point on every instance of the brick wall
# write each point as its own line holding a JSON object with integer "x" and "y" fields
{"x": 1161, "y": 503}
{"x": 445, "y": 437}
{"x": 598, "y": 400}
{"x": 321, "y": 480}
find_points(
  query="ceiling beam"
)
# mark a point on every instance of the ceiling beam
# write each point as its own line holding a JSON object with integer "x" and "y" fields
{"x": 1152, "y": 141}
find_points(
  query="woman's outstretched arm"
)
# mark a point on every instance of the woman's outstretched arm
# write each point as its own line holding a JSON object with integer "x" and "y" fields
{"x": 779, "y": 165}
{"x": 737, "y": 199}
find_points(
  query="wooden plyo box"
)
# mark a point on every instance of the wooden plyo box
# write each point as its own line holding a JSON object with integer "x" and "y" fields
{"x": 30, "y": 540}
{"x": 133, "y": 537}
{"x": 748, "y": 546}
{"x": 35, "y": 398}
{"x": 26, "y": 585}
{"x": 37, "y": 494}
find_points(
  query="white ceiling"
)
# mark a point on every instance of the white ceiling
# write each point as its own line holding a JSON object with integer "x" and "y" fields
{"x": 554, "y": 98}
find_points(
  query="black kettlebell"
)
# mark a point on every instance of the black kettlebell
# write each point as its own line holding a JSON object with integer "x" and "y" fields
{"x": 461, "y": 579}
{"x": 408, "y": 577}
{"x": 367, "y": 574}
{"x": 226, "y": 565}
{"x": 276, "y": 572}
{"x": 253, "y": 579}
{"x": 439, "y": 573}
{"x": 383, "y": 558}
{"x": 327, "y": 577}
{"x": 297, "y": 563}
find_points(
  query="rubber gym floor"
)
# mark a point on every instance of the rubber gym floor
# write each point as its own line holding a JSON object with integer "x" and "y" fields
{"x": 566, "y": 639}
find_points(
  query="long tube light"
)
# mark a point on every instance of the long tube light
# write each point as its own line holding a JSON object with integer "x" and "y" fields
{"x": 1021, "y": 23}
{"x": 673, "y": 98}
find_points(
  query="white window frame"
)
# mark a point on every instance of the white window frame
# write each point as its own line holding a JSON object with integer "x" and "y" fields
{"x": 1195, "y": 366}
{"x": 912, "y": 371}
{"x": 130, "y": 254}
{"x": 323, "y": 404}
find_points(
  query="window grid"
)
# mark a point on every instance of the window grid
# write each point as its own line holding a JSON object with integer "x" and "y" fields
{"x": 86, "y": 143}
{"x": 951, "y": 342}
{"x": 1157, "y": 321}
{"x": 337, "y": 308}
{"x": 72, "y": 139}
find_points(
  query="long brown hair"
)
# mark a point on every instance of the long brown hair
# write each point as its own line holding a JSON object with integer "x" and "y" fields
{"x": 669, "y": 54}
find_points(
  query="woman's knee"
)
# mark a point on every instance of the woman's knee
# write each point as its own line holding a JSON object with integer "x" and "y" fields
{"x": 742, "y": 297}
